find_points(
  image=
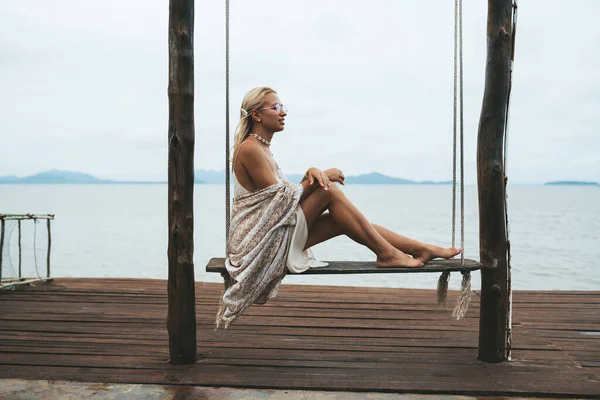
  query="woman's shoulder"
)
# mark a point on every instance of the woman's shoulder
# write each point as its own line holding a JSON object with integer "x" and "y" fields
{"x": 248, "y": 151}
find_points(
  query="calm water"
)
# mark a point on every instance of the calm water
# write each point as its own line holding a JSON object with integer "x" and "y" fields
{"x": 121, "y": 231}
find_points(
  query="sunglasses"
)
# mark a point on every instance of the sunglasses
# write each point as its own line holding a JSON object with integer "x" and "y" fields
{"x": 277, "y": 107}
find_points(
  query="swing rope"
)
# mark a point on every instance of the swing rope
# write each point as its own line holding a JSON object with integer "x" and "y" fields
{"x": 227, "y": 279}
{"x": 454, "y": 134}
{"x": 458, "y": 136}
{"x": 464, "y": 297}
{"x": 227, "y": 141}
{"x": 508, "y": 255}
{"x": 458, "y": 140}
{"x": 462, "y": 152}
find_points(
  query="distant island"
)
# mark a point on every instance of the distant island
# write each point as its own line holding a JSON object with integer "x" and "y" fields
{"x": 571, "y": 183}
{"x": 201, "y": 177}
{"x": 373, "y": 178}
{"x": 57, "y": 177}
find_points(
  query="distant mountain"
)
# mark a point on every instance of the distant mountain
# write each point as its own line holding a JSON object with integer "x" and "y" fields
{"x": 571, "y": 183}
{"x": 9, "y": 179}
{"x": 218, "y": 177}
{"x": 296, "y": 178}
{"x": 375, "y": 178}
{"x": 201, "y": 177}
{"x": 56, "y": 177}
{"x": 209, "y": 176}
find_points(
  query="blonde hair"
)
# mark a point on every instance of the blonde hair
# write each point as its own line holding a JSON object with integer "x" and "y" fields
{"x": 253, "y": 100}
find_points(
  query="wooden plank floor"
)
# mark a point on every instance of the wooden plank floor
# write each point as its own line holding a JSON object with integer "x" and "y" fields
{"x": 310, "y": 337}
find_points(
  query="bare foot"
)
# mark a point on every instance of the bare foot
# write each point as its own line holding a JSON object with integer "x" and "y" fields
{"x": 429, "y": 252}
{"x": 399, "y": 259}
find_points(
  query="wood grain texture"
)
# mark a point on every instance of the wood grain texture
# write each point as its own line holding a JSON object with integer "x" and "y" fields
{"x": 491, "y": 185}
{"x": 181, "y": 316}
{"x": 217, "y": 265}
{"x": 309, "y": 337}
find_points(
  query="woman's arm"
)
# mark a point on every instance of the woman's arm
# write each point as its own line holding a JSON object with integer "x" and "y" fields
{"x": 308, "y": 188}
{"x": 333, "y": 174}
{"x": 313, "y": 178}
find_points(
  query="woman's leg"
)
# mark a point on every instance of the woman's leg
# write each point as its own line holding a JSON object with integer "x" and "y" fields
{"x": 354, "y": 225}
{"x": 419, "y": 250}
{"x": 325, "y": 228}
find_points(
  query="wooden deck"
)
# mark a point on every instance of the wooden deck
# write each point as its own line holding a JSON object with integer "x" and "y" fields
{"x": 310, "y": 337}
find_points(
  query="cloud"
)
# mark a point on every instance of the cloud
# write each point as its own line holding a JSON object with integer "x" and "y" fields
{"x": 369, "y": 87}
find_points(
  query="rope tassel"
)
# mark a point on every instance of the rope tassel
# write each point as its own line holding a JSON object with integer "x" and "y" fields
{"x": 464, "y": 298}
{"x": 442, "y": 288}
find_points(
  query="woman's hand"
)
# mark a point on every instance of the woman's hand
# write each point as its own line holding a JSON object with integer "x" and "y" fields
{"x": 316, "y": 175}
{"x": 335, "y": 175}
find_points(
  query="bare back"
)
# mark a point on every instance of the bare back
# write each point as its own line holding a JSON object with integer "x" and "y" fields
{"x": 254, "y": 165}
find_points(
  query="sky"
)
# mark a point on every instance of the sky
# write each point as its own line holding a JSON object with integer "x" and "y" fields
{"x": 83, "y": 86}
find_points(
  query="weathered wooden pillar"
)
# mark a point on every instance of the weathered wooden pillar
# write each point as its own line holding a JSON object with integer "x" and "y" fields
{"x": 47, "y": 254}
{"x": 21, "y": 251}
{"x": 181, "y": 317}
{"x": 491, "y": 185}
{"x": 2, "y": 226}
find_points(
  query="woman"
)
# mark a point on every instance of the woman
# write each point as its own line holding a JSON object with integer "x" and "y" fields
{"x": 275, "y": 223}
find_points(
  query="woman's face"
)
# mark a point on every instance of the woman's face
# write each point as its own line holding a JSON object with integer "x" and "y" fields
{"x": 272, "y": 113}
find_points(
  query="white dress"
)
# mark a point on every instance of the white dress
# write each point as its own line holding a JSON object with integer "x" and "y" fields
{"x": 298, "y": 259}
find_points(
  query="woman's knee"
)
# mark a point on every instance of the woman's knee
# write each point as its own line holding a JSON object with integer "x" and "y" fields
{"x": 334, "y": 191}
{"x": 327, "y": 196}
{"x": 330, "y": 193}
{"x": 319, "y": 197}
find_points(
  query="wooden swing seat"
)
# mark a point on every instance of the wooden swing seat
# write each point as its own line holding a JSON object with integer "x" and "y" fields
{"x": 367, "y": 267}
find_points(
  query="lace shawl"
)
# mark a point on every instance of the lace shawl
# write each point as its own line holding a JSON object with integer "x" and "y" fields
{"x": 262, "y": 223}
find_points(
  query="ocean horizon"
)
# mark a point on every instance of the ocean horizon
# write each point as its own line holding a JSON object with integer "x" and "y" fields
{"x": 202, "y": 176}
{"x": 121, "y": 231}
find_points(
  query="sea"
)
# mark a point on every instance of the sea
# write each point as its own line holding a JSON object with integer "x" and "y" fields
{"x": 120, "y": 230}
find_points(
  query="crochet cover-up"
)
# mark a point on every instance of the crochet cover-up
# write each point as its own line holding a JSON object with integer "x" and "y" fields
{"x": 262, "y": 224}
{"x": 298, "y": 259}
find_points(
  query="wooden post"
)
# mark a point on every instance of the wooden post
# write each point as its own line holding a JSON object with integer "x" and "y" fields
{"x": 49, "y": 247}
{"x": 20, "y": 251}
{"x": 2, "y": 222}
{"x": 491, "y": 185}
{"x": 181, "y": 315}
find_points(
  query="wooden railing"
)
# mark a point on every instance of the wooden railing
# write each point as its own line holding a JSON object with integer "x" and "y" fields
{"x": 5, "y": 248}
